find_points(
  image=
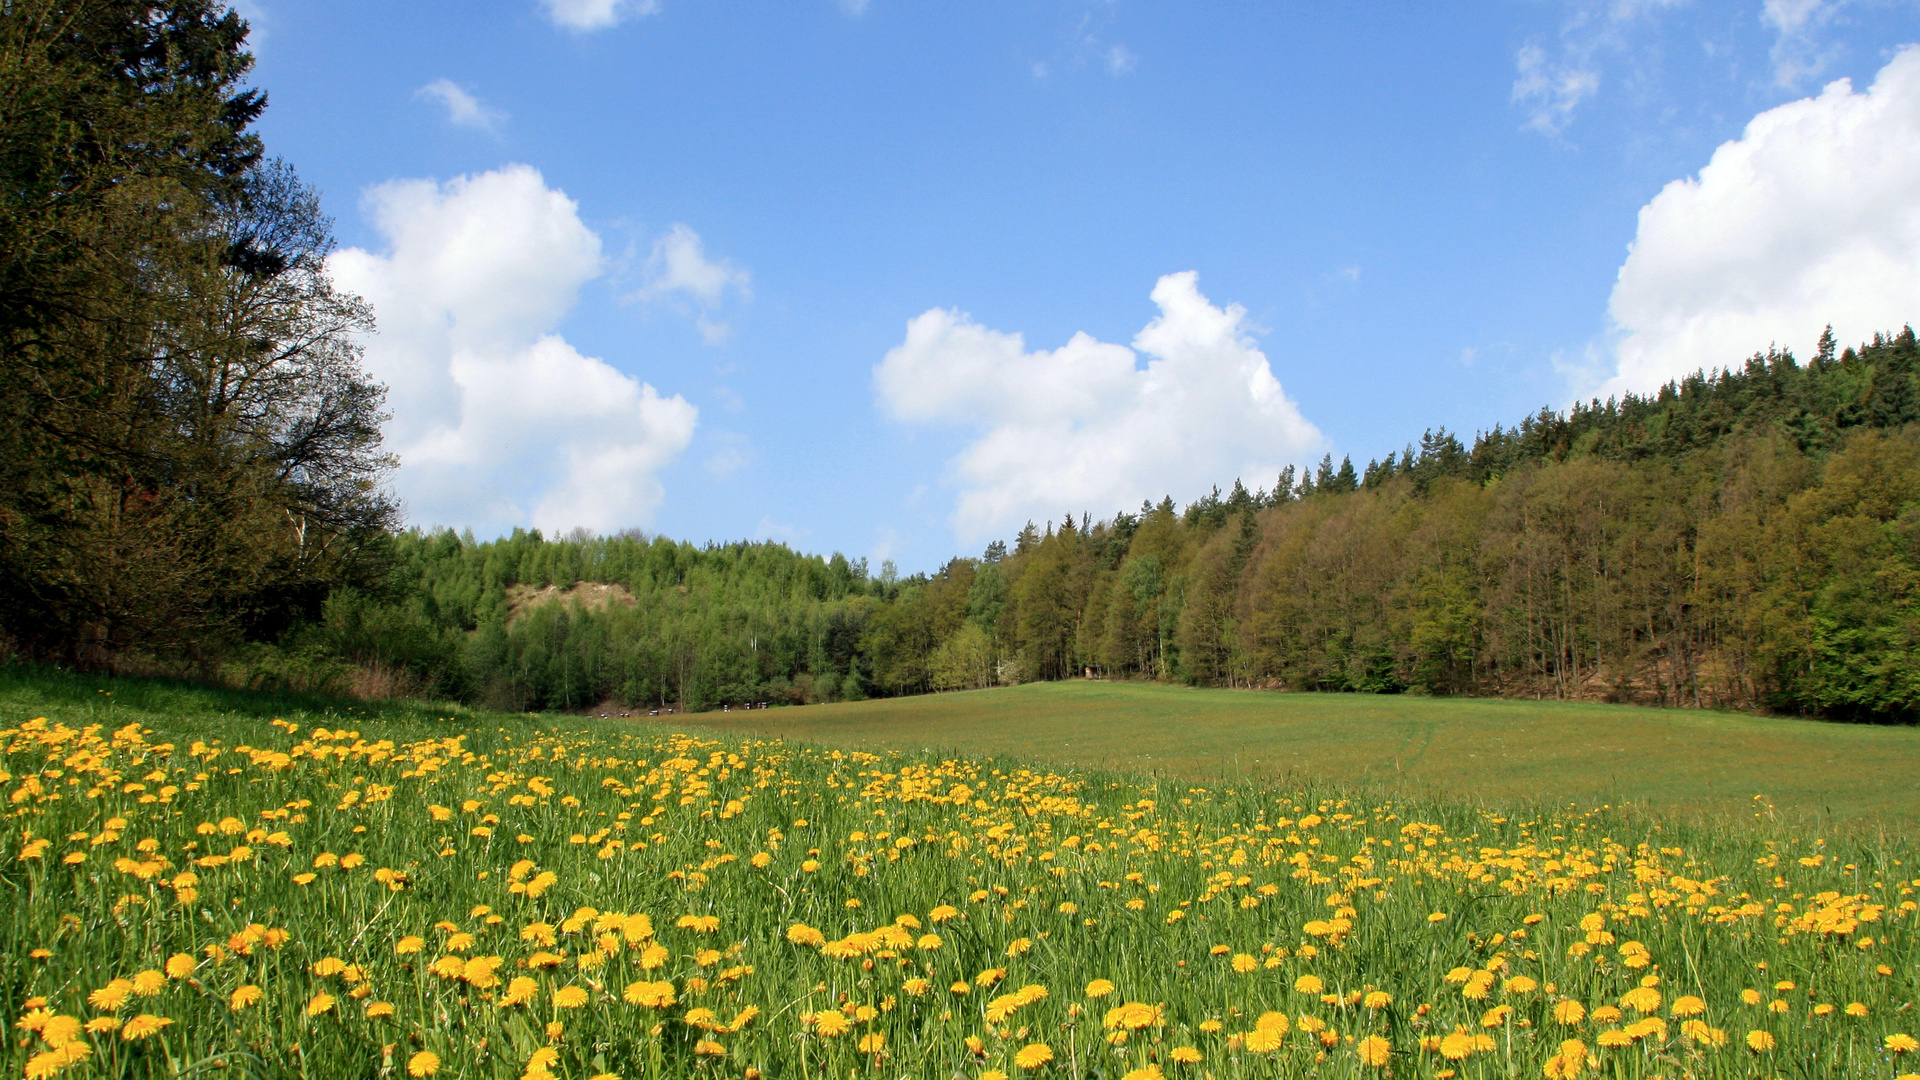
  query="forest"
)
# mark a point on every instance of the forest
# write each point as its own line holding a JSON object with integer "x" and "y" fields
{"x": 1743, "y": 539}
{"x": 193, "y": 481}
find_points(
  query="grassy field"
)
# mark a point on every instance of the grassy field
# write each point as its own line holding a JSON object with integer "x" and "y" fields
{"x": 1670, "y": 760}
{"x": 202, "y": 882}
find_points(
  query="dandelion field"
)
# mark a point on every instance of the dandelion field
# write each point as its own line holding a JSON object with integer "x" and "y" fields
{"x": 489, "y": 896}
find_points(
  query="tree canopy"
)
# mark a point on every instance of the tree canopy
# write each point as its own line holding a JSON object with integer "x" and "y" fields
{"x": 189, "y": 449}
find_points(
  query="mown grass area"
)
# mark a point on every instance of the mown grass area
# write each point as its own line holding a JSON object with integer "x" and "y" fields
{"x": 1677, "y": 761}
{"x": 204, "y": 882}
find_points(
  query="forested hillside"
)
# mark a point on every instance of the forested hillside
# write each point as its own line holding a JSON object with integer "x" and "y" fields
{"x": 1745, "y": 539}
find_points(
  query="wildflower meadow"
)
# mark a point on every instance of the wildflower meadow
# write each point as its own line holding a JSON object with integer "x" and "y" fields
{"x": 514, "y": 897}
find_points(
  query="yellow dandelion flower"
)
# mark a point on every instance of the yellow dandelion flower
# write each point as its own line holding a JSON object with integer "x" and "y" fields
{"x": 58, "y": 1031}
{"x": 1759, "y": 1041}
{"x": 1186, "y": 1055}
{"x": 424, "y": 1063}
{"x": 1376, "y": 1000}
{"x": 569, "y": 997}
{"x": 1856, "y": 1008}
{"x": 1099, "y": 988}
{"x": 1033, "y": 1055}
{"x": 111, "y": 996}
{"x": 377, "y": 1009}
{"x": 1689, "y": 1005}
{"x": 1264, "y": 1040}
{"x": 244, "y": 996}
{"x": 831, "y": 1022}
{"x": 872, "y": 1043}
{"x": 520, "y": 990}
{"x": 320, "y": 1003}
{"x": 709, "y": 1048}
{"x": 1145, "y": 1072}
{"x": 1244, "y": 963}
{"x": 181, "y": 965}
{"x": 1374, "y": 1050}
{"x": 653, "y": 995}
{"x": 143, "y": 1025}
{"x": 149, "y": 982}
{"x": 1901, "y": 1043}
{"x": 1309, "y": 984}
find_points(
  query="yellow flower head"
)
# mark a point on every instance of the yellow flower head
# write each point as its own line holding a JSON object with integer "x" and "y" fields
{"x": 831, "y": 1022}
{"x": 143, "y": 1025}
{"x": 1033, "y": 1055}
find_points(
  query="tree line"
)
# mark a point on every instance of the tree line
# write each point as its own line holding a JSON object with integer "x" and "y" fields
{"x": 1746, "y": 539}
{"x": 192, "y": 478}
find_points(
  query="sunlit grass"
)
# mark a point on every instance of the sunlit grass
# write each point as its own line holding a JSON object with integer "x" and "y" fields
{"x": 493, "y": 896}
{"x": 1677, "y": 762}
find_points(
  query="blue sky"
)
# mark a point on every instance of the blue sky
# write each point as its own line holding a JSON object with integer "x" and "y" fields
{"x": 654, "y": 264}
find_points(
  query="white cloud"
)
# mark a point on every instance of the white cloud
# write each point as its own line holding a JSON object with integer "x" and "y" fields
{"x": 1550, "y": 85}
{"x": 853, "y": 7}
{"x": 679, "y": 265}
{"x": 597, "y": 14}
{"x": 1550, "y": 91}
{"x": 1082, "y": 427}
{"x": 463, "y": 109}
{"x": 1121, "y": 61}
{"x": 1811, "y": 217}
{"x": 1797, "y": 51}
{"x": 679, "y": 272}
{"x": 498, "y": 421}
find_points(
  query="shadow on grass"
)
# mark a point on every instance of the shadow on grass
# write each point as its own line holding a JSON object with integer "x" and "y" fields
{"x": 28, "y": 690}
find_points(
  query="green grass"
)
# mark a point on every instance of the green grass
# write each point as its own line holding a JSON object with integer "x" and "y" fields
{"x": 1679, "y": 761}
{"x": 405, "y": 890}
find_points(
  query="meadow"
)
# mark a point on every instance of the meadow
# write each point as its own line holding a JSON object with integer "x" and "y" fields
{"x": 208, "y": 883}
{"x": 1695, "y": 763}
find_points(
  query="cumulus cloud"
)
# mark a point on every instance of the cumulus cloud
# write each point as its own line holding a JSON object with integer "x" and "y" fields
{"x": 1811, "y": 217}
{"x": 463, "y": 109}
{"x": 1121, "y": 61}
{"x": 1084, "y": 426}
{"x": 498, "y": 421}
{"x": 597, "y": 14}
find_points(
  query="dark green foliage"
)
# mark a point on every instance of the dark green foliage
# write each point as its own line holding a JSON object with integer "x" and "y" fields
{"x": 1748, "y": 540}
{"x": 189, "y": 452}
